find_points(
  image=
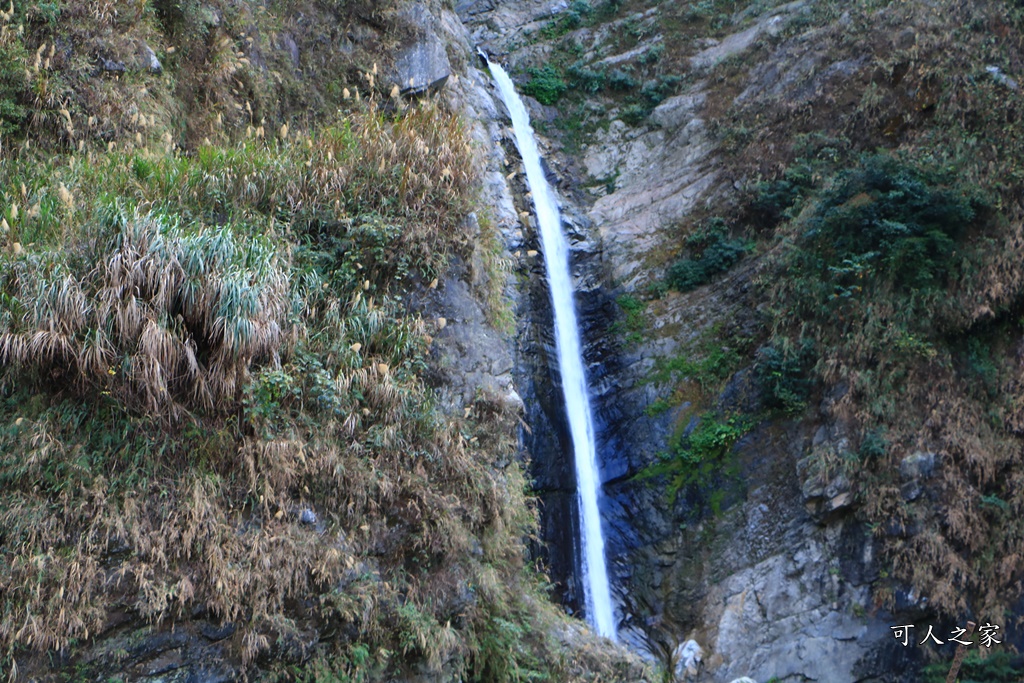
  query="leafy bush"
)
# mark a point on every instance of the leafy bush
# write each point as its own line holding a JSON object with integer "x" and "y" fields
{"x": 652, "y": 55}
{"x": 584, "y": 78}
{"x": 784, "y": 372}
{"x": 774, "y": 201}
{"x": 634, "y": 321}
{"x": 873, "y": 444}
{"x": 712, "y": 252}
{"x": 891, "y": 220}
{"x": 14, "y": 60}
{"x": 546, "y": 85}
{"x": 653, "y": 93}
{"x": 622, "y": 79}
{"x": 997, "y": 667}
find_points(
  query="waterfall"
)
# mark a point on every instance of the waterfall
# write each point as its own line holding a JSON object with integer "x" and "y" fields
{"x": 594, "y": 569}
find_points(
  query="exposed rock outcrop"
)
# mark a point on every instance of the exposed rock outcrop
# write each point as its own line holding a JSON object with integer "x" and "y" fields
{"x": 778, "y": 585}
{"x": 422, "y": 64}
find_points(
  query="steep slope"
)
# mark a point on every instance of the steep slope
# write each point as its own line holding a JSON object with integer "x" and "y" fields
{"x": 808, "y": 214}
{"x": 257, "y": 415}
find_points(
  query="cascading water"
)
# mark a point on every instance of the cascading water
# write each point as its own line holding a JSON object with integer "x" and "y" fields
{"x": 597, "y": 590}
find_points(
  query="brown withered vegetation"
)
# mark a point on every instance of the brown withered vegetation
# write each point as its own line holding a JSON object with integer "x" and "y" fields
{"x": 210, "y": 393}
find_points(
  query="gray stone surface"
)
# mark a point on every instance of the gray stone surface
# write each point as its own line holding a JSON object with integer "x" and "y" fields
{"x": 422, "y": 64}
{"x": 147, "y": 59}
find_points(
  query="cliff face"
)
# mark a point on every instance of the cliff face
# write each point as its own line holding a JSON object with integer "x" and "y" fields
{"x": 804, "y": 353}
{"x": 771, "y": 486}
{"x": 274, "y": 433}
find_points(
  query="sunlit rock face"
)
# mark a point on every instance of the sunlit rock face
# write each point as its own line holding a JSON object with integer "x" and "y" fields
{"x": 778, "y": 582}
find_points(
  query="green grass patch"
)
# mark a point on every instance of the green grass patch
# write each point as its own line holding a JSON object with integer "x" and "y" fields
{"x": 633, "y": 323}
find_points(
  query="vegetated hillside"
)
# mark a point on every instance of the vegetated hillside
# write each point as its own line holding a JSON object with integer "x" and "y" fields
{"x": 212, "y": 416}
{"x": 871, "y": 181}
{"x": 888, "y": 204}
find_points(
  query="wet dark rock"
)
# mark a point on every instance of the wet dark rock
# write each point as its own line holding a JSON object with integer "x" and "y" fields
{"x": 294, "y": 648}
{"x": 163, "y": 663}
{"x": 213, "y": 633}
{"x": 212, "y": 674}
{"x": 742, "y": 393}
{"x": 890, "y": 662}
{"x": 158, "y": 642}
{"x": 896, "y": 529}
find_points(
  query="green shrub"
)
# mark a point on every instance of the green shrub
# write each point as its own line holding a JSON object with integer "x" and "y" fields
{"x": 621, "y": 79}
{"x": 891, "y": 220}
{"x": 654, "y": 92}
{"x": 582, "y": 77}
{"x": 711, "y": 252}
{"x": 634, "y": 321}
{"x": 873, "y": 444}
{"x": 14, "y": 59}
{"x": 997, "y": 667}
{"x": 784, "y": 371}
{"x": 774, "y": 201}
{"x": 652, "y": 55}
{"x": 546, "y": 85}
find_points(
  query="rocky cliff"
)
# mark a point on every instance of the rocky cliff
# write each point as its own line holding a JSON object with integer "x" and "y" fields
{"x": 745, "y": 476}
{"x": 796, "y": 241}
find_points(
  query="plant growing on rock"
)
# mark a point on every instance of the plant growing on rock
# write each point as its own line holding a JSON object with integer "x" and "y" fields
{"x": 546, "y": 85}
{"x": 711, "y": 251}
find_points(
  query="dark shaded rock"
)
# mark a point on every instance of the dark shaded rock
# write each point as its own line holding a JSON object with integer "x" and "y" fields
{"x": 911, "y": 604}
{"x": 212, "y": 674}
{"x": 856, "y": 553}
{"x": 112, "y": 66}
{"x": 158, "y": 642}
{"x": 741, "y": 394}
{"x": 895, "y": 529}
{"x": 289, "y": 45}
{"x": 890, "y": 663}
{"x": 164, "y": 662}
{"x": 215, "y": 633}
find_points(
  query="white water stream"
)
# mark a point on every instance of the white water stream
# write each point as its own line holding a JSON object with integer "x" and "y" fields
{"x": 570, "y": 361}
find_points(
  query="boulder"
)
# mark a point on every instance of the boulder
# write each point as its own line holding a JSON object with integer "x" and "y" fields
{"x": 421, "y": 65}
{"x": 147, "y": 60}
{"x": 687, "y": 656}
{"x": 918, "y": 465}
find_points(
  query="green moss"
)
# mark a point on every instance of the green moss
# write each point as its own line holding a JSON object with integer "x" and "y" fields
{"x": 634, "y": 322}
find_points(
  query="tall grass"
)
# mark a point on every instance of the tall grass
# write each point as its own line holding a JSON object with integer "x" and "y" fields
{"x": 196, "y": 348}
